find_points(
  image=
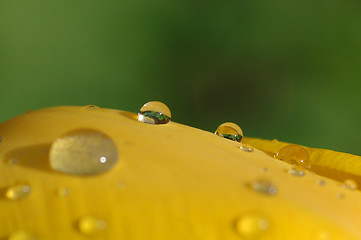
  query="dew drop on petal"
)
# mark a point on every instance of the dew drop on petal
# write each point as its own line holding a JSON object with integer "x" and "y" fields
{"x": 63, "y": 192}
{"x": 154, "y": 112}
{"x": 21, "y": 235}
{"x": 296, "y": 171}
{"x": 252, "y": 226}
{"x": 83, "y": 152}
{"x": 275, "y": 141}
{"x": 321, "y": 182}
{"x": 91, "y": 225}
{"x": 91, "y": 107}
{"x": 230, "y": 131}
{"x": 340, "y": 196}
{"x": 247, "y": 148}
{"x": 18, "y": 191}
{"x": 295, "y": 155}
{"x": 264, "y": 186}
{"x": 350, "y": 184}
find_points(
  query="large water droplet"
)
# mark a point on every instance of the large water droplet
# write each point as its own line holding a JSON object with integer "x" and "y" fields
{"x": 21, "y": 235}
{"x": 251, "y": 226}
{"x": 264, "y": 186}
{"x": 18, "y": 191}
{"x": 230, "y": 131}
{"x": 83, "y": 152}
{"x": 91, "y": 225}
{"x": 294, "y": 154}
{"x": 154, "y": 112}
{"x": 350, "y": 184}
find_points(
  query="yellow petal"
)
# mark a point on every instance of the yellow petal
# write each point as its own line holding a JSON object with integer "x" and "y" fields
{"x": 171, "y": 181}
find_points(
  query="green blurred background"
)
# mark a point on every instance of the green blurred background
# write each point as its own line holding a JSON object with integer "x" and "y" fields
{"x": 281, "y": 69}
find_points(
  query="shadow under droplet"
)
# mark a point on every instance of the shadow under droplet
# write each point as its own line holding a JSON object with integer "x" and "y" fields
{"x": 35, "y": 157}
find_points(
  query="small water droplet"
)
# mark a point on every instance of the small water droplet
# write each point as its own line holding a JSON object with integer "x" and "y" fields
{"x": 154, "y": 112}
{"x": 18, "y": 191}
{"x": 251, "y": 226}
{"x": 83, "y": 152}
{"x": 91, "y": 107}
{"x": 296, "y": 171}
{"x": 350, "y": 184}
{"x": 121, "y": 185}
{"x": 275, "y": 141}
{"x": 63, "y": 192}
{"x": 340, "y": 196}
{"x": 91, "y": 225}
{"x": 230, "y": 131}
{"x": 265, "y": 169}
{"x": 321, "y": 182}
{"x": 247, "y": 148}
{"x": 295, "y": 155}
{"x": 12, "y": 161}
{"x": 264, "y": 186}
{"x": 21, "y": 235}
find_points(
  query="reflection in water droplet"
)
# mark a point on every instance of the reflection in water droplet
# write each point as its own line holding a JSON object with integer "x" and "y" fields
{"x": 350, "y": 184}
{"x": 296, "y": 171}
{"x": 91, "y": 107}
{"x": 63, "y": 192}
{"x": 83, "y": 152}
{"x": 21, "y": 235}
{"x": 247, "y": 148}
{"x": 154, "y": 112}
{"x": 230, "y": 131}
{"x": 91, "y": 225}
{"x": 294, "y": 154}
{"x": 321, "y": 182}
{"x": 18, "y": 191}
{"x": 264, "y": 186}
{"x": 251, "y": 226}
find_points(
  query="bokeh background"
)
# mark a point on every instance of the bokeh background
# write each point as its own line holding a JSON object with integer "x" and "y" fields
{"x": 289, "y": 70}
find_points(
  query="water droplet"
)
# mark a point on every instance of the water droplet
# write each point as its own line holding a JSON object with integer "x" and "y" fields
{"x": 91, "y": 225}
{"x": 321, "y": 182}
{"x": 247, "y": 148}
{"x": 63, "y": 192}
{"x": 265, "y": 169}
{"x": 83, "y": 152}
{"x": 350, "y": 184}
{"x": 18, "y": 191}
{"x": 12, "y": 161}
{"x": 296, "y": 171}
{"x": 251, "y": 226}
{"x": 121, "y": 185}
{"x": 264, "y": 186}
{"x": 230, "y": 131}
{"x": 275, "y": 141}
{"x": 21, "y": 235}
{"x": 154, "y": 112}
{"x": 294, "y": 154}
{"x": 91, "y": 107}
{"x": 340, "y": 196}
